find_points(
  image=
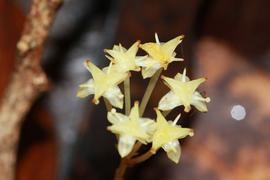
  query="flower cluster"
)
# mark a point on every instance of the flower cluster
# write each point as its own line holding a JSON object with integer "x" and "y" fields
{"x": 132, "y": 127}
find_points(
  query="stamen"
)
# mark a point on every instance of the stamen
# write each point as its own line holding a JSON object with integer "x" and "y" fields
{"x": 178, "y": 59}
{"x": 176, "y": 119}
{"x": 184, "y": 75}
{"x": 207, "y": 99}
{"x": 157, "y": 40}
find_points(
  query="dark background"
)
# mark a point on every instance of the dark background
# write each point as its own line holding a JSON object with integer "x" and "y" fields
{"x": 227, "y": 41}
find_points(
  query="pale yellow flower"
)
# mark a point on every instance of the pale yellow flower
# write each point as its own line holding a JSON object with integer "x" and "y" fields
{"x": 103, "y": 84}
{"x": 130, "y": 128}
{"x": 183, "y": 92}
{"x": 166, "y": 136}
{"x": 160, "y": 55}
{"x": 123, "y": 59}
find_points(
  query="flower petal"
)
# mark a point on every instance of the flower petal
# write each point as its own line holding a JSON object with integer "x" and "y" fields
{"x": 94, "y": 70}
{"x": 173, "y": 150}
{"x": 169, "y": 101}
{"x": 182, "y": 132}
{"x": 133, "y": 49}
{"x": 86, "y": 89}
{"x": 179, "y": 77}
{"x": 147, "y": 123}
{"x": 145, "y": 61}
{"x": 199, "y": 102}
{"x": 149, "y": 66}
{"x": 149, "y": 126}
{"x": 134, "y": 112}
{"x": 153, "y": 50}
{"x": 170, "y": 46}
{"x": 115, "y": 117}
{"x": 119, "y": 48}
{"x": 114, "y": 96}
{"x": 193, "y": 85}
{"x": 125, "y": 144}
{"x": 149, "y": 72}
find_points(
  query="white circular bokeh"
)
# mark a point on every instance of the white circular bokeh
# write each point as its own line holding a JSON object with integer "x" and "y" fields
{"x": 238, "y": 112}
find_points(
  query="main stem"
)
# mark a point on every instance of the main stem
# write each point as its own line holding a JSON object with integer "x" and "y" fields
{"x": 149, "y": 90}
{"x": 128, "y": 161}
{"x": 119, "y": 175}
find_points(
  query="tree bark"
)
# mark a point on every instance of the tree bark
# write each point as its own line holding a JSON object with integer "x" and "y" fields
{"x": 27, "y": 83}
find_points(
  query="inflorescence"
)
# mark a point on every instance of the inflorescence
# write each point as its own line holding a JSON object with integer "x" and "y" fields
{"x": 131, "y": 128}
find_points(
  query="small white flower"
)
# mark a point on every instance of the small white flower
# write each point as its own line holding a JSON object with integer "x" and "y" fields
{"x": 160, "y": 55}
{"x": 123, "y": 59}
{"x": 130, "y": 128}
{"x": 183, "y": 92}
{"x": 166, "y": 136}
{"x": 104, "y": 83}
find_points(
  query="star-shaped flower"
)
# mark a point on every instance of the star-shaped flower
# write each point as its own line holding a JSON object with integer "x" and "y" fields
{"x": 103, "y": 84}
{"x": 166, "y": 136}
{"x": 183, "y": 92}
{"x": 130, "y": 128}
{"x": 160, "y": 55}
{"x": 123, "y": 59}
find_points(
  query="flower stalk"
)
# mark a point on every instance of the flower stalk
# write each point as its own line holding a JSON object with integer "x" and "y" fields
{"x": 130, "y": 161}
{"x": 149, "y": 90}
{"x": 120, "y": 172}
{"x": 127, "y": 95}
{"x": 141, "y": 158}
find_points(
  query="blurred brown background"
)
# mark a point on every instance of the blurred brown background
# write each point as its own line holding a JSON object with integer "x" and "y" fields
{"x": 226, "y": 40}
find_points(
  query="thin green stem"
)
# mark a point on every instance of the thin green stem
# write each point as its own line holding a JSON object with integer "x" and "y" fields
{"x": 149, "y": 90}
{"x": 127, "y": 95}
